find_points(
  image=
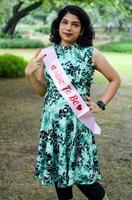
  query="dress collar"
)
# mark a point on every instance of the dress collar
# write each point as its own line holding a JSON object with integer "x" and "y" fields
{"x": 66, "y": 48}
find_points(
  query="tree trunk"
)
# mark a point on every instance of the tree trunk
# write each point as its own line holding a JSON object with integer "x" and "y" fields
{"x": 120, "y": 27}
{"x": 11, "y": 24}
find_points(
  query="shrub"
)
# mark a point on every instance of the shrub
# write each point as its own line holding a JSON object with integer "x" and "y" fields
{"x": 20, "y": 43}
{"x": 124, "y": 46}
{"x": 12, "y": 66}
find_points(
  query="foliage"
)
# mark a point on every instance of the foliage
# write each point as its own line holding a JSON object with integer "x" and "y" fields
{"x": 20, "y": 43}
{"x": 123, "y": 46}
{"x": 5, "y": 10}
{"x": 11, "y": 66}
{"x": 104, "y": 10}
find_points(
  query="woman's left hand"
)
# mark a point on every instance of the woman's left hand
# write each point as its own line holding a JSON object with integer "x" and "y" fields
{"x": 94, "y": 108}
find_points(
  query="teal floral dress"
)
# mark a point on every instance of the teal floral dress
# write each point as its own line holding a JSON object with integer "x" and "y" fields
{"x": 67, "y": 152}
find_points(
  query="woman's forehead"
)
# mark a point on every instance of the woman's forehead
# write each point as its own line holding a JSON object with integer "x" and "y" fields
{"x": 71, "y": 17}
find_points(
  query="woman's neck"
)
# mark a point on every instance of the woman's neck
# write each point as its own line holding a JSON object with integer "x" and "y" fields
{"x": 65, "y": 44}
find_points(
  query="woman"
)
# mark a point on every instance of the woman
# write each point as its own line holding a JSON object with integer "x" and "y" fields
{"x": 67, "y": 153}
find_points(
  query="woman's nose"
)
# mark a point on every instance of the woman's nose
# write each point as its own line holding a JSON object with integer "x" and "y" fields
{"x": 68, "y": 27}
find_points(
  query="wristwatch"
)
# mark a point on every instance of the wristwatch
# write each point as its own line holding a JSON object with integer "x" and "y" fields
{"x": 101, "y": 104}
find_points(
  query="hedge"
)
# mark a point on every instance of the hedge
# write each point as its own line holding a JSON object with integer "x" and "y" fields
{"x": 124, "y": 46}
{"x": 20, "y": 43}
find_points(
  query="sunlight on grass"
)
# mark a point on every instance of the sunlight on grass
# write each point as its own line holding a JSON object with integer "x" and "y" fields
{"x": 122, "y": 63}
{"x": 26, "y": 53}
{"x": 98, "y": 78}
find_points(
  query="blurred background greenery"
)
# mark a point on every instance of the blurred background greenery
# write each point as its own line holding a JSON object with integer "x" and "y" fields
{"x": 25, "y": 24}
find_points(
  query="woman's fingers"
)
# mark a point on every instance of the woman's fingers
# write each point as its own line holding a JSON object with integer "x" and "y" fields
{"x": 88, "y": 103}
{"x": 35, "y": 63}
{"x": 88, "y": 98}
{"x": 40, "y": 64}
{"x": 37, "y": 53}
{"x": 40, "y": 59}
{"x": 94, "y": 108}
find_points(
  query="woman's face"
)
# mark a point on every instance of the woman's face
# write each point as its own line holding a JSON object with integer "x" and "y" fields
{"x": 69, "y": 29}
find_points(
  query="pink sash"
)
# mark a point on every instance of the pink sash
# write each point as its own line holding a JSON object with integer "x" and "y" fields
{"x": 68, "y": 91}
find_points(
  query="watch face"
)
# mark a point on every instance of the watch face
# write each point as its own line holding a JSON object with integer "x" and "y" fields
{"x": 101, "y": 104}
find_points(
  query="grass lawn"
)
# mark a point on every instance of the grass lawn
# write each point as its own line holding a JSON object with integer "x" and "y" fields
{"x": 121, "y": 62}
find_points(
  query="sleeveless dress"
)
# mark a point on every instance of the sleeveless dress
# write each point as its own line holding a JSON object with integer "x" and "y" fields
{"x": 67, "y": 152}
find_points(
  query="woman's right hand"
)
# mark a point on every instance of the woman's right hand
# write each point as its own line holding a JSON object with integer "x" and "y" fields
{"x": 35, "y": 63}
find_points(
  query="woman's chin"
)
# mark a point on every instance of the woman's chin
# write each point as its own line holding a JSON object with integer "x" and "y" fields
{"x": 67, "y": 42}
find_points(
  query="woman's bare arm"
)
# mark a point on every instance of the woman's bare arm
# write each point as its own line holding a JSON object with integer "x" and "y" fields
{"x": 104, "y": 67}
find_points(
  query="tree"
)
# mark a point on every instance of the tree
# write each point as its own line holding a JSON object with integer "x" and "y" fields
{"x": 17, "y": 14}
{"x": 117, "y": 17}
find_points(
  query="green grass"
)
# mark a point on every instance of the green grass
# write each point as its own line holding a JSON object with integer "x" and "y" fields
{"x": 26, "y": 53}
{"x": 121, "y": 62}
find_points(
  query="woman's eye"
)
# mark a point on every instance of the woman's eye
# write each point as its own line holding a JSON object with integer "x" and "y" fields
{"x": 76, "y": 25}
{"x": 64, "y": 22}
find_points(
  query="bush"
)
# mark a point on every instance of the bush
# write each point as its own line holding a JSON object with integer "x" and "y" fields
{"x": 20, "y": 43}
{"x": 12, "y": 66}
{"x": 124, "y": 46}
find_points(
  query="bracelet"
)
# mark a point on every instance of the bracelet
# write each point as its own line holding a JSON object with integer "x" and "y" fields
{"x": 101, "y": 104}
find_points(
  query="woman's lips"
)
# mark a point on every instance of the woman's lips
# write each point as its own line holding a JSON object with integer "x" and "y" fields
{"x": 67, "y": 34}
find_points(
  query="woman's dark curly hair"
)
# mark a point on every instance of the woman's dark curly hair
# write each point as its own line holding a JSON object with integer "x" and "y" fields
{"x": 88, "y": 34}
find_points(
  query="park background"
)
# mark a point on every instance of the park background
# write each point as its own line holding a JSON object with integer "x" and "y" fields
{"x": 25, "y": 27}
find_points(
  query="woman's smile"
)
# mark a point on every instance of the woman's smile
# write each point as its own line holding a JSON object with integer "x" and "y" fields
{"x": 67, "y": 34}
